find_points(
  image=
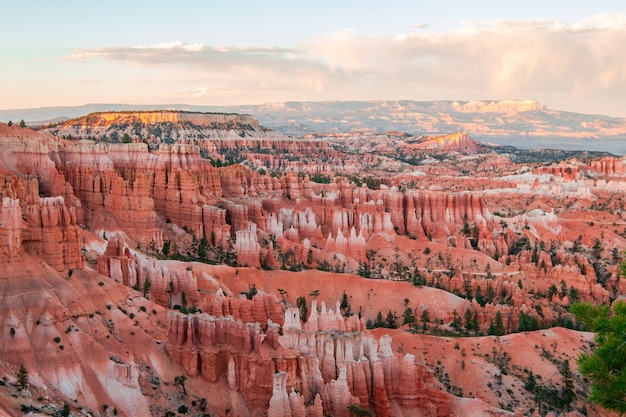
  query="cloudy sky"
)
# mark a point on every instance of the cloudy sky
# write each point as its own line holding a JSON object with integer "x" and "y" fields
{"x": 569, "y": 55}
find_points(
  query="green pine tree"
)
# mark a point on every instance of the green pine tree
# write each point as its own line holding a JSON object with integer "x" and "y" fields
{"x": 22, "y": 378}
{"x": 391, "y": 321}
{"x": 379, "y": 320}
{"x": 409, "y": 317}
{"x": 180, "y": 381}
{"x": 346, "y": 311}
{"x": 606, "y": 365}
{"x": 304, "y": 310}
{"x": 499, "y": 325}
{"x": 425, "y": 318}
{"x": 146, "y": 287}
{"x": 469, "y": 320}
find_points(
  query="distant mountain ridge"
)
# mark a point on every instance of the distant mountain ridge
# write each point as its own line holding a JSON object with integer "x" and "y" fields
{"x": 522, "y": 123}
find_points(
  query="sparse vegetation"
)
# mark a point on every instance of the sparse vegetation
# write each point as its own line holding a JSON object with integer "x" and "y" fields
{"x": 357, "y": 411}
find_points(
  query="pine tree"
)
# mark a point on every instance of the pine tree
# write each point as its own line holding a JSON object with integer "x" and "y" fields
{"x": 466, "y": 227}
{"x": 146, "y": 287}
{"x": 425, "y": 318}
{"x": 475, "y": 235}
{"x": 499, "y": 325}
{"x": 475, "y": 325}
{"x": 456, "y": 321}
{"x": 567, "y": 395}
{"x": 379, "y": 320}
{"x": 390, "y": 321}
{"x": 166, "y": 247}
{"x": 409, "y": 317}
{"x": 469, "y": 320}
{"x": 479, "y": 297}
{"x": 552, "y": 291}
{"x": 346, "y": 311}
{"x": 364, "y": 270}
{"x": 490, "y": 294}
{"x": 606, "y": 365}
{"x": 66, "y": 410}
{"x": 22, "y": 378}
{"x": 183, "y": 300}
{"x": 180, "y": 381}
{"x": 202, "y": 248}
{"x": 531, "y": 383}
{"x": 304, "y": 310}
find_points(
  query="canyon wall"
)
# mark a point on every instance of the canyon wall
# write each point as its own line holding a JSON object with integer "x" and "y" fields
{"x": 331, "y": 363}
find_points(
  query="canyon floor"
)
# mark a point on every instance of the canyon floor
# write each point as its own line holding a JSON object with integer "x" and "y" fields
{"x": 171, "y": 263}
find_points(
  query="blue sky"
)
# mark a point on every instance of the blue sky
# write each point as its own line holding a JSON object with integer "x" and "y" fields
{"x": 568, "y": 55}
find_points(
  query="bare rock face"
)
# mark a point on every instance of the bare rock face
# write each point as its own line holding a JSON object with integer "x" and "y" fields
{"x": 52, "y": 233}
{"x": 214, "y": 347}
{"x": 181, "y": 184}
{"x": 337, "y": 363}
{"x": 460, "y": 142}
{"x": 47, "y": 229}
{"x": 215, "y": 228}
{"x": 132, "y": 185}
{"x": 93, "y": 171}
{"x": 133, "y": 209}
{"x": 440, "y": 214}
{"x": 118, "y": 263}
{"x": 261, "y": 309}
{"x": 608, "y": 166}
{"x": 10, "y": 230}
{"x": 247, "y": 247}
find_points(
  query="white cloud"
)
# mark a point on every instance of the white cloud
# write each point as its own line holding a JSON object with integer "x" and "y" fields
{"x": 196, "y": 47}
{"x": 562, "y": 64}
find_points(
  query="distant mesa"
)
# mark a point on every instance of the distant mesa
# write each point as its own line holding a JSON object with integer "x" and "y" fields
{"x": 162, "y": 116}
{"x": 502, "y": 106}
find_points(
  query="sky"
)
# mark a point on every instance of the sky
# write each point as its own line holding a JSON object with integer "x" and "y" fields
{"x": 568, "y": 55}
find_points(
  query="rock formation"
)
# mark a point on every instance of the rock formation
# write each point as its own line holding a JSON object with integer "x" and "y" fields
{"x": 333, "y": 360}
{"x": 11, "y": 229}
{"x": 52, "y": 233}
{"x": 496, "y": 241}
